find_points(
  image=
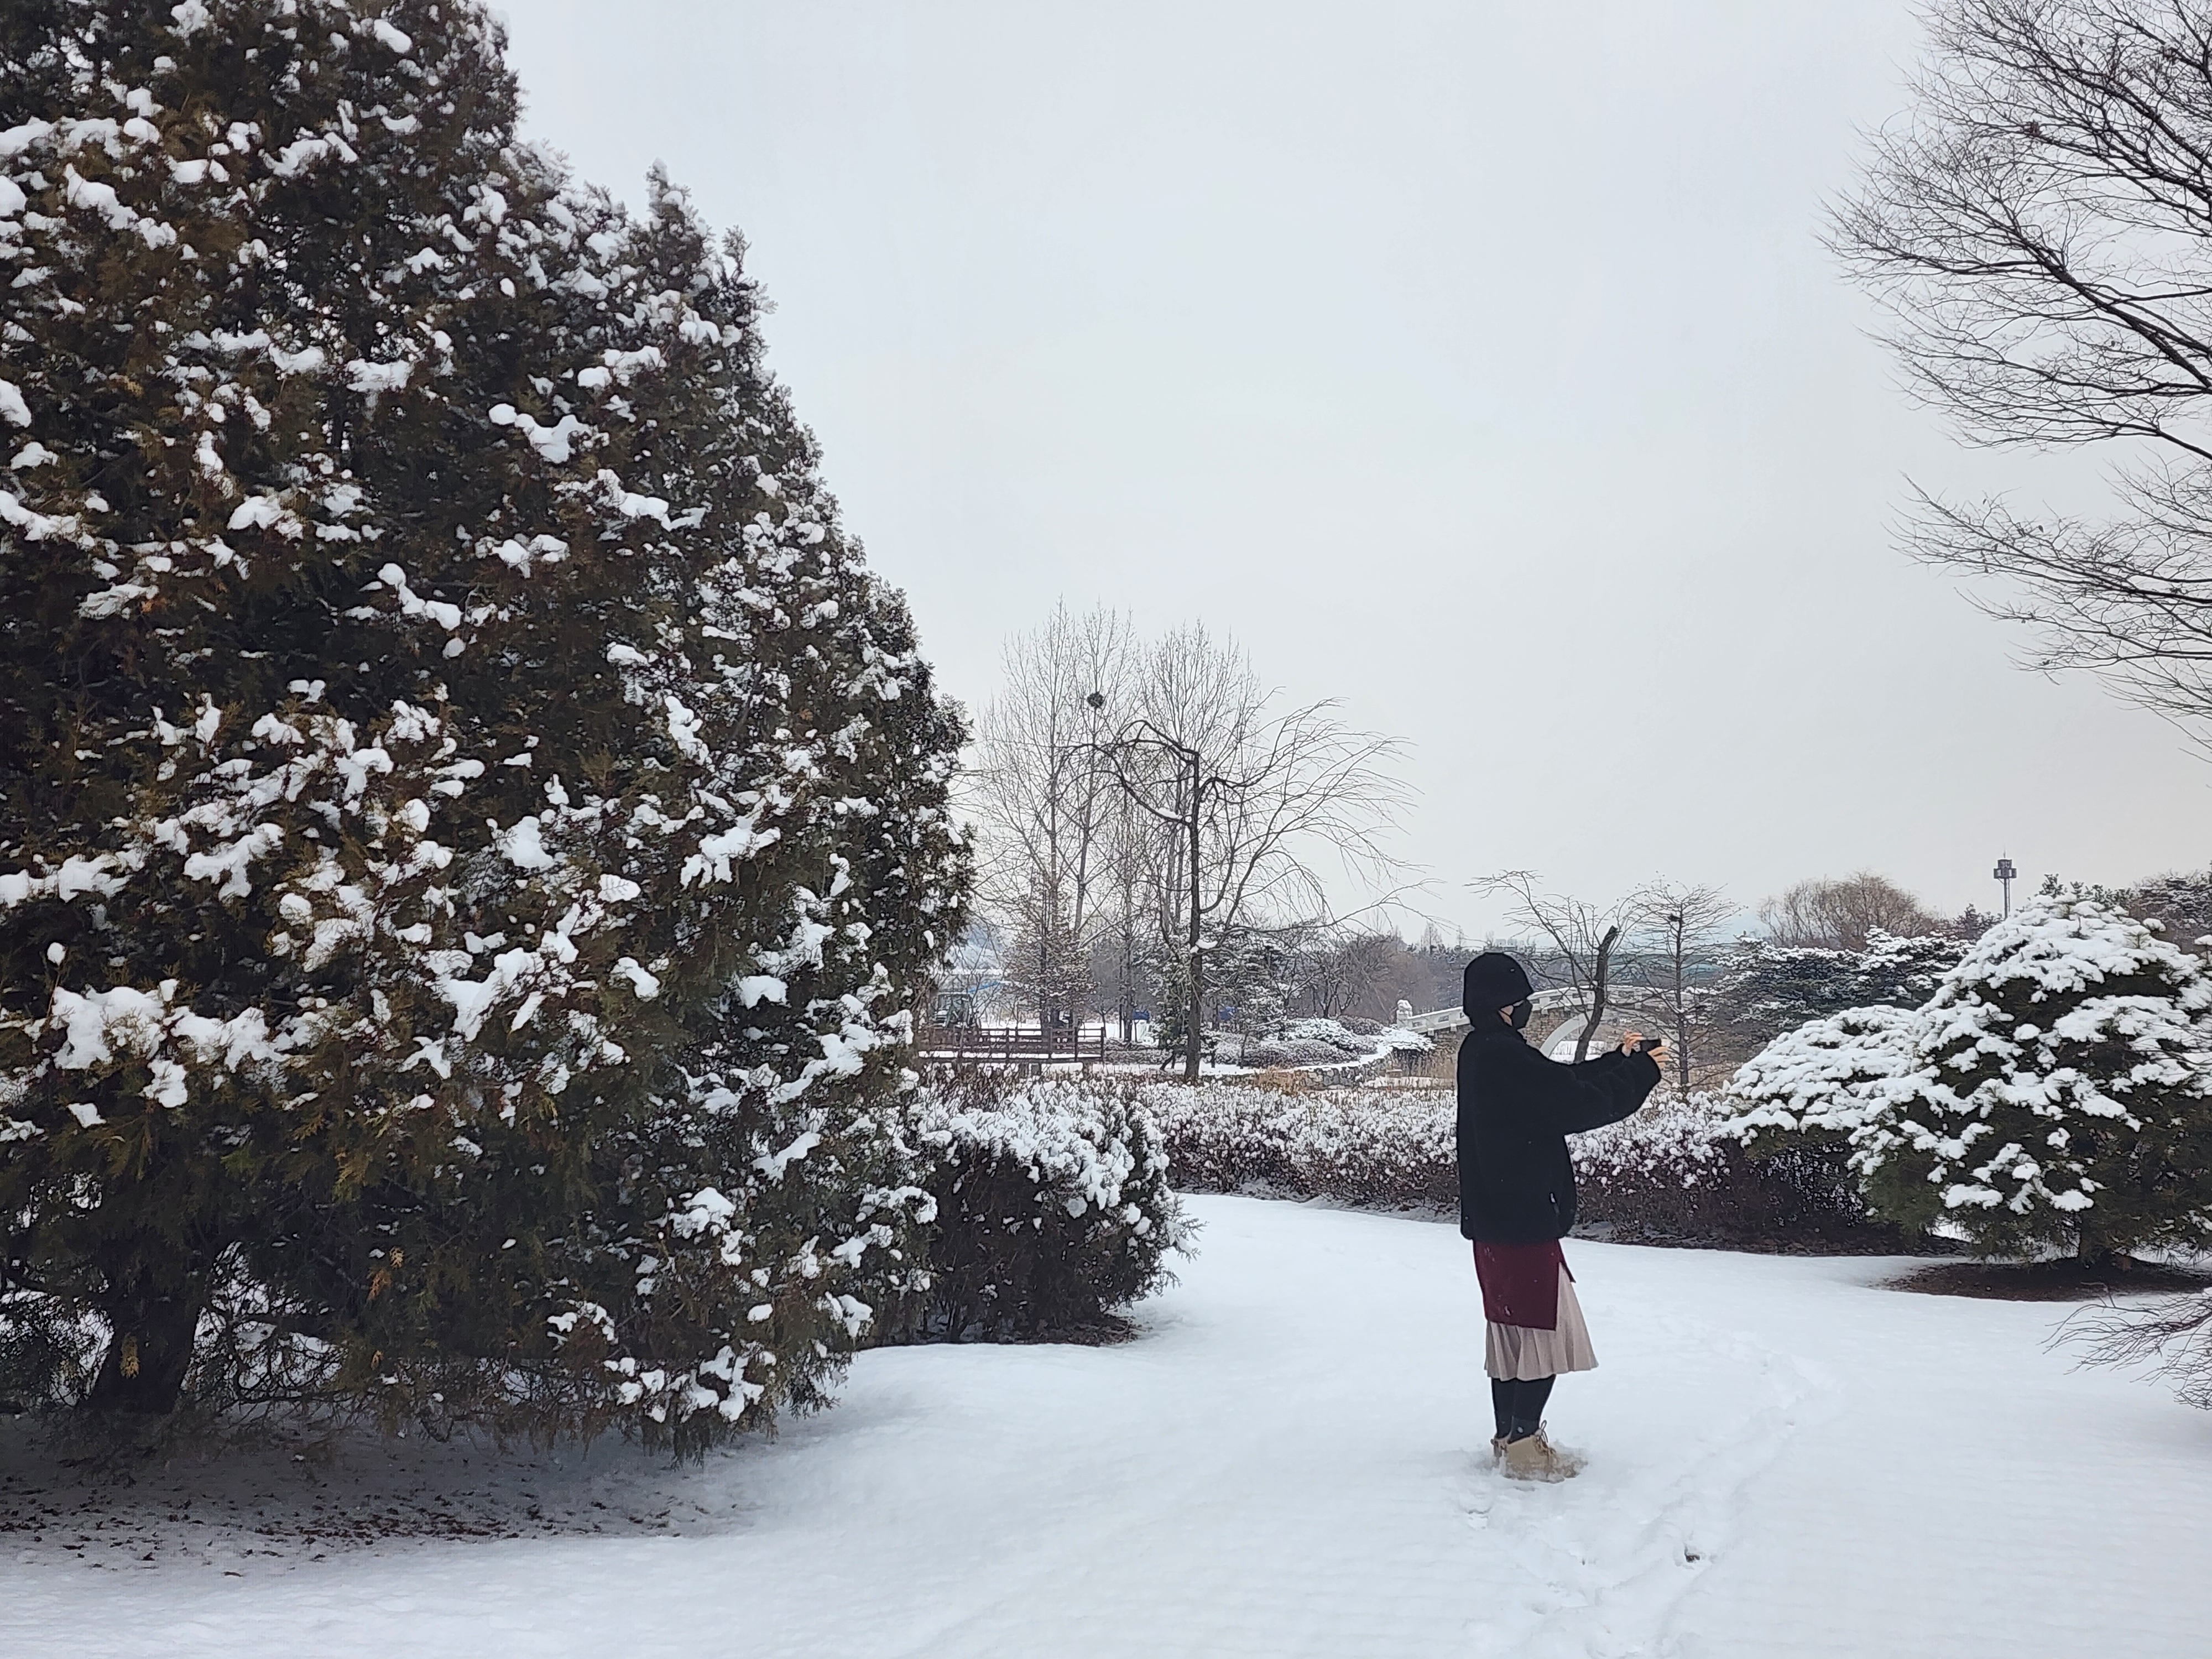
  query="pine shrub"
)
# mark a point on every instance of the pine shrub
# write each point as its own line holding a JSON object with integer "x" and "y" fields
{"x": 2058, "y": 1093}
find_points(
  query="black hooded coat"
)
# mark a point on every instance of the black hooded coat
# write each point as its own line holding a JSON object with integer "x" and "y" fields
{"x": 1516, "y": 1108}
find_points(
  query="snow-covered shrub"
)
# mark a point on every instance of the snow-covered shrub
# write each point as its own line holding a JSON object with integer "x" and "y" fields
{"x": 1052, "y": 1207}
{"x": 471, "y": 829}
{"x": 1764, "y": 990}
{"x": 2056, "y": 1088}
{"x": 2060, "y": 1092}
{"x": 1670, "y": 1172}
{"x": 1309, "y": 1042}
{"x": 1386, "y": 1148}
{"x": 1679, "y": 1170}
{"x": 1795, "y": 1107}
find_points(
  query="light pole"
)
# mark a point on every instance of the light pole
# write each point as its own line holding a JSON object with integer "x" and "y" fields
{"x": 2004, "y": 873}
{"x": 1187, "y": 821}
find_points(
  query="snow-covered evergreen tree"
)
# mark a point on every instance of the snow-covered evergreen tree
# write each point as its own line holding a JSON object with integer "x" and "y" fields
{"x": 471, "y": 829}
{"x": 2056, "y": 1088}
{"x": 2061, "y": 1091}
{"x": 1824, "y": 1081}
{"x": 1765, "y": 990}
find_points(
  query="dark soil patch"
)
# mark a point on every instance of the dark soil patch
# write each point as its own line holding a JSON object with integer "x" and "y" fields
{"x": 2061, "y": 1280}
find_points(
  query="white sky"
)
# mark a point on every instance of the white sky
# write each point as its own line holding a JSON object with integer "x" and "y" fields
{"x": 1474, "y": 363}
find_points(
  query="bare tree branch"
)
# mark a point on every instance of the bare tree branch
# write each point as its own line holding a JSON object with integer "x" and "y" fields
{"x": 2040, "y": 228}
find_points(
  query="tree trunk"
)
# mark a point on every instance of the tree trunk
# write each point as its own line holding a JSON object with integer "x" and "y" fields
{"x": 1597, "y": 994}
{"x": 1681, "y": 1017}
{"x": 142, "y": 1373}
{"x": 2093, "y": 1253}
{"x": 1194, "y": 1031}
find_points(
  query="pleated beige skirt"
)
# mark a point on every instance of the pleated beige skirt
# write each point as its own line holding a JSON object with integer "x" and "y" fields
{"x": 1515, "y": 1353}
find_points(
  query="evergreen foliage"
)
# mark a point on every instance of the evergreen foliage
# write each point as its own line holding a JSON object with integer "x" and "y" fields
{"x": 1765, "y": 989}
{"x": 2060, "y": 1093}
{"x": 1051, "y": 1208}
{"x": 2055, "y": 1089}
{"x": 472, "y": 833}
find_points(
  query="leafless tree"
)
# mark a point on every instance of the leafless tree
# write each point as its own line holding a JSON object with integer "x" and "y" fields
{"x": 1583, "y": 935}
{"x": 1341, "y": 971}
{"x": 2040, "y": 229}
{"x": 2174, "y": 1335}
{"x": 1047, "y": 813}
{"x": 1842, "y": 914}
{"x": 1244, "y": 801}
{"x": 1685, "y": 919}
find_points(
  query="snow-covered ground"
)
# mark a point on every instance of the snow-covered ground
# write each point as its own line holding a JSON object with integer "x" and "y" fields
{"x": 1785, "y": 1460}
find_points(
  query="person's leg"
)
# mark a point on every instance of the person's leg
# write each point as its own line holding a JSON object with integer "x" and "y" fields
{"x": 1528, "y": 1407}
{"x": 1503, "y": 1394}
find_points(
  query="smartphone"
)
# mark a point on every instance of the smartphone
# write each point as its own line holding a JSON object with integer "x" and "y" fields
{"x": 1651, "y": 1043}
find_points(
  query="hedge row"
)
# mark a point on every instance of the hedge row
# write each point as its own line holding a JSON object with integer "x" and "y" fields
{"x": 1667, "y": 1175}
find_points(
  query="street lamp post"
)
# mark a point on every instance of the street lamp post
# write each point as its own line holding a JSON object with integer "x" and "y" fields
{"x": 2004, "y": 873}
{"x": 1187, "y": 821}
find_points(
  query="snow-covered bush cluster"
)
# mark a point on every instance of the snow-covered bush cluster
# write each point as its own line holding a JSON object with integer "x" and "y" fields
{"x": 1672, "y": 1171}
{"x": 471, "y": 830}
{"x": 1309, "y": 1042}
{"x": 2055, "y": 1089}
{"x": 1051, "y": 1207}
{"x": 1389, "y": 1148}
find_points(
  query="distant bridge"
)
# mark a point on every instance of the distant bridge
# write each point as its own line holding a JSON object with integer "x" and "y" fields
{"x": 1558, "y": 1016}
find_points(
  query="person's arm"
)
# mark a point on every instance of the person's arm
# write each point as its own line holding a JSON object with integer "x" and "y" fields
{"x": 1570, "y": 1099}
{"x": 1604, "y": 1062}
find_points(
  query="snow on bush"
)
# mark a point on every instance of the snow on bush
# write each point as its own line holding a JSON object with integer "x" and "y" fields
{"x": 470, "y": 827}
{"x": 1308, "y": 1042}
{"x": 1765, "y": 989}
{"x": 1052, "y": 1207}
{"x": 1672, "y": 1171}
{"x": 1388, "y": 1148}
{"x": 2056, "y": 1088}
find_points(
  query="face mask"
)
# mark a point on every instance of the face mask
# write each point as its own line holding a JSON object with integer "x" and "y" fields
{"x": 1519, "y": 1017}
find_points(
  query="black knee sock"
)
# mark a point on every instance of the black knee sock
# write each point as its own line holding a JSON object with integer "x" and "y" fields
{"x": 1528, "y": 1405}
{"x": 1502, "y": 1396}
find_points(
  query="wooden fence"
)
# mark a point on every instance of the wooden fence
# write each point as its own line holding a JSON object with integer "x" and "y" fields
{"x": 1010, "y": 1045}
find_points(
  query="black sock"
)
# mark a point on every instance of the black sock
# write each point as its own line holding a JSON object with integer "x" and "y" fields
{"x": 1528, "y": 1405}
{"x": 1502, "y": 1396}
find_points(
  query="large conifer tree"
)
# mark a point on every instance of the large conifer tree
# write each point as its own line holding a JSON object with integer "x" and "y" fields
{"x": 471, "y": 827}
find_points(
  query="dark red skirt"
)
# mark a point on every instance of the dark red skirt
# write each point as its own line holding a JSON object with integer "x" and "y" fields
{"x": 1520, "y": 1283}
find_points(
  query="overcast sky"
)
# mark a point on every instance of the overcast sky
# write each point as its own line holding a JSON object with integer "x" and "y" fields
{"x": 1475, "y": 363}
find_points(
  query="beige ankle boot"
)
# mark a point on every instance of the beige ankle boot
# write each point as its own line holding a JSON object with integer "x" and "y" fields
{"x": 1534, "y": 1458}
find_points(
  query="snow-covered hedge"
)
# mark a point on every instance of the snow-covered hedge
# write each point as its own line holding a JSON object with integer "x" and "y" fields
{"x": 1308, "y": 1042}
{"x": 1388, "y": 1148}
{"x": 1052, "y": 1207}
{"x": 1670, "y": 1172}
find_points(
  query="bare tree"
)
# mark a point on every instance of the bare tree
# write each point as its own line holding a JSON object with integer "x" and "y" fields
{"x": 1338, "y": 970}
{"x": 1048, "y": 817}
{"x": 1842, "y": 915}
{"x": 1583, "y": 935}
{"x": 1243, "y": 801}
{"x": 2174, "y": 1335}
{"x": 2040, "y": 228}
{"x": 1685, "y": 919}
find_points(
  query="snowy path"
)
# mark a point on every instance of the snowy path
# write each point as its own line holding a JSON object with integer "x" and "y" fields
{"x": 1292, "y": 1462}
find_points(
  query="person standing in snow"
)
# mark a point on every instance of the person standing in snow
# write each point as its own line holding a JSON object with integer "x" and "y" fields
{"x": 1516, "y": 1197}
